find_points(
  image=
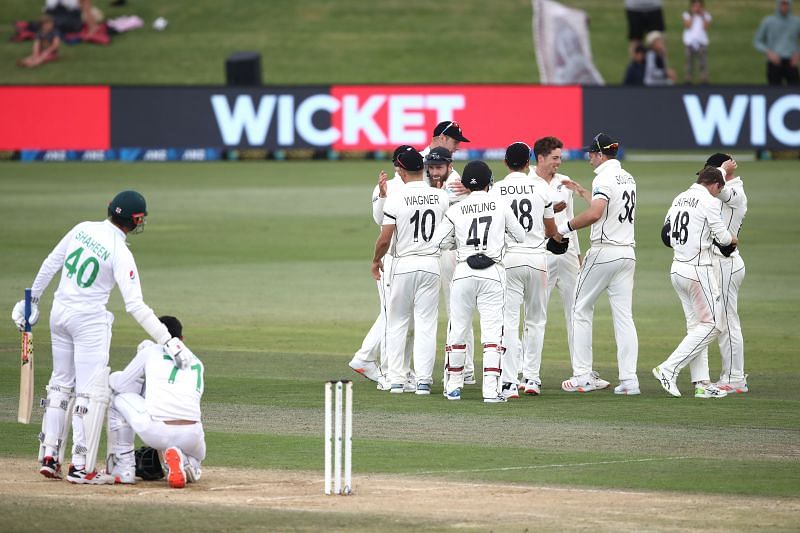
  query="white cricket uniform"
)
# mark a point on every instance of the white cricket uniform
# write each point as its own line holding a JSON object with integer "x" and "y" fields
{"x": 609, "y": 266}
{"x": 415, "y": 210}
{"x": 170, "y": 394}
{"x": 526, "y": 276}
{"x": 92, "y": 257}
{"x": 372, "y": 347}
{"x": 478, "y": 224}
{"x": 562, "y": 270}
{"x": 730, "y": 274}
{"x": 694, "y": 221}
{"x": 447, "y": 264}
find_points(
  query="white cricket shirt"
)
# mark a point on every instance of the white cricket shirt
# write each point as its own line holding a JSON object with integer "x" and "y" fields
{"x": 415, "y": 209}
{"x": 733, "y": 209}
{"x": 171, "y": 393}
{"x": 694, "y": 220}
{"x": 560, "y": 193}
{"x": 615, "y": 185}
{"x": 529, "y": 199}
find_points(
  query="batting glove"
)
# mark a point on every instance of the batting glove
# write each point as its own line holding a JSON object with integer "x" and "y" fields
{"x": 181, "y": 355}
{"x": 18, "y": 314}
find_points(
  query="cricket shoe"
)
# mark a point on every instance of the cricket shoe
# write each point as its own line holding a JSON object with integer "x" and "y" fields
{"x": 588, "y": 384}
{"x": 384, "y": 384}
{"x": 510, "y": 391}
{"x": 397, "y": 388}
{"x": 494, "y": 399}
{"x": 708, "y": 391}
{"x": 667, "y": 384}
{"x": 123, "y": 474}
{"x": 469, "y": 379}
{"x": 423, "y": 389}
{"x": 628, "y": 387}
{"x": 50, "y": 468}
{"x": 533, "y": 387}
{"x": 733, "y": 387}
{"x": 175, "y": 461}
{"x": 453, "y": 394}
{"x": 369, "y": 369}
{"x": 82, "y": 477}
{"x": 411, "y": 383}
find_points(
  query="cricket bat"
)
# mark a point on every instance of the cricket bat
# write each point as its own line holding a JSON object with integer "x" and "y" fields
{"x": 26, "y": 367}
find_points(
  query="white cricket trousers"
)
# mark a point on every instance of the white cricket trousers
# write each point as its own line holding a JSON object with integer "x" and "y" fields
{"x": 605, "y": 269}
{"x": 562, "y": 273}
{"x": 412, "y": 304}
{"x": 699, "y": 295}
{"x": 483, "y": 290}
{"x": 80, "y": 343}
{"x": 526, "y": 288}
{"x": 447, "y": 266}
{"x": 131, "y": 408}
{"x": 729, "y": 272}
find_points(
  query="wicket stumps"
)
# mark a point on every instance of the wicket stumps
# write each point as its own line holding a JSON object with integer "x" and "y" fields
{"x": 338, "y": 427}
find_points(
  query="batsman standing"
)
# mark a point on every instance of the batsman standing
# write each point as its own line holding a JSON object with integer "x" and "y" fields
{"x": 92, "y": 258}
{"x": 609, "y": 267}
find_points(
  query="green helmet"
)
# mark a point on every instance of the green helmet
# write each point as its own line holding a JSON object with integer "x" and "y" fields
{"x": 129, "y": 210}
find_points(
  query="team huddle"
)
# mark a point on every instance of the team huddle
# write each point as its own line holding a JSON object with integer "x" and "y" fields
{"x": 156, "y": 396}
{"x": 500, "y": 249}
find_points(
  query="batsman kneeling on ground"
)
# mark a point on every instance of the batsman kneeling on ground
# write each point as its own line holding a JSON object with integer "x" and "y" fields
{"x": 163, "y": 409}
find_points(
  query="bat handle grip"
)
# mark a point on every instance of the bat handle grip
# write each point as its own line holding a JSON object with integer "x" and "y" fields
{"x": 27, "y": 309}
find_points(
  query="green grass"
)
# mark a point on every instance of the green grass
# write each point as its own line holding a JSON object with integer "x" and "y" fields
{"x": 267, "y": 265}
{"x": 354, "y": 41}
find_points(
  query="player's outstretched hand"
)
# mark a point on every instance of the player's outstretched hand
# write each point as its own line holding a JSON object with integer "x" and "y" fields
{"x": 181, "y": 355}
{"x": 18, "y": 314}
{"x": 382, "y": 185}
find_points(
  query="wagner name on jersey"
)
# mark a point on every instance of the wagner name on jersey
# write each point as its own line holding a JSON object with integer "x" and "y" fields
{"x": 416, "y": 209}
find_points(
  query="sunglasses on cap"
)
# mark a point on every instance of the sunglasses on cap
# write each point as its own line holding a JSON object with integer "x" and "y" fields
{"x": 612, "y": 146}
{"x": 452, "y": 123}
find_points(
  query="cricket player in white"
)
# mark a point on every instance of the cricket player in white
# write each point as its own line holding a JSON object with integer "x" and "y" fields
{"x": 447, "y": 138}
{"x": 477, "y": 227}
{"x": 730, "y": 273}
{"x": 562, "y": 270}
{"x": 609, "y": 266}
{"x": 370, "y": 360}
{"x": 410, "y": 219}
{"x": 92, "y": 258}
{"x": 166, "y": 416}
{"x": 526, "y": 271}
{"x": 692, "y": 223}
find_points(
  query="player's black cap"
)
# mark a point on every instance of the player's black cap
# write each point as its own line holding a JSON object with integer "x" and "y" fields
{"x": 451, "y": 129}
{"x": 174, "y": 325}
{"x": 518, "y": 154}
{"x": 439, "y": 156}
{"x": 476, "y": 176}
{"x": 400, "y": 149}
{"x": 603, "y": 144}
{"x": 716, "y": 160}
{"x": 410, "y": 160}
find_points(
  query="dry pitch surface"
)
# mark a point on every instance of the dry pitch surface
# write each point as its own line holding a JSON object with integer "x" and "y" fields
{"x": 475, "y": 505}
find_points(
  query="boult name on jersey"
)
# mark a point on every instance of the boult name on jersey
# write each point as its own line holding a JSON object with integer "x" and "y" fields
{"x": 516, "y": 189}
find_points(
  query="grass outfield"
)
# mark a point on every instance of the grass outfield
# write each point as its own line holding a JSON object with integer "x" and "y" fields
{"x": 267, "y": 265}
{"x": 353, "y": 41}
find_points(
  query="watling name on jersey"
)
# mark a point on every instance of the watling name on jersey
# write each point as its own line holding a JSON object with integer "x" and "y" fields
{"x": 430, "y": 199}
{"x": 473, "y": 209}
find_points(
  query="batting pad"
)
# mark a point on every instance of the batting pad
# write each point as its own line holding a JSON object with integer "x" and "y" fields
{"x": 99, "y": 394}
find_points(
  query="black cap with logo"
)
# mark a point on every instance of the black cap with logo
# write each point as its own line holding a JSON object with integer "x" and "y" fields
{"x": 518, "y": 154}
{"x": 451, "y": 129}
{"x": 399, "y": 150}
{"x": 410, "y": 160}
{"x": 439, "y": 156}
{"x": 476, "y": 176}
{"x": 716, "y": 160}
{"x": 603, "y": 144}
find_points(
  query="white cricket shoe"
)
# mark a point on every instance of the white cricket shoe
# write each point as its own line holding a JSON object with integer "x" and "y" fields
{"x": 667, "y": 384}
{"x": 584, "y": 383}
{"x": 533, "y": 387}
{"x": 629, "y": 387}
{"x": 708, "y": 391}
{"x": 510, "y": 391}
{"x": 397, "y": 388}
{"x": 369, "y": 369}
{"x": 82, "y": 477}
{"x": 175, "y": 463}
{"x": 469, "y": 379}
{"x": 384, "y": 384}
{"x": 411, "y": 382}
{"x": 733, "y": 387}
{"x": 423, "y": 389}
